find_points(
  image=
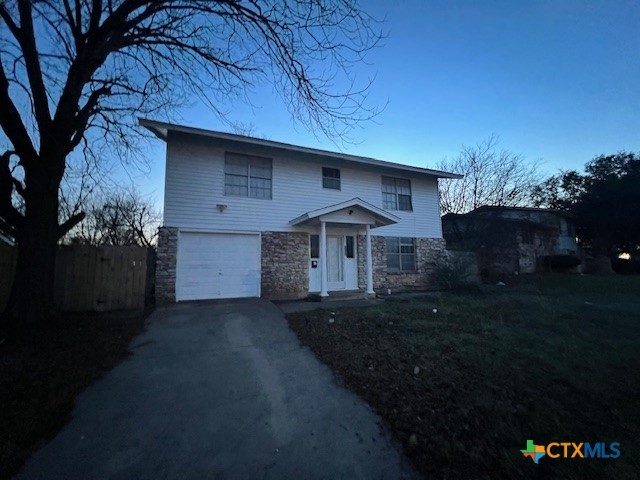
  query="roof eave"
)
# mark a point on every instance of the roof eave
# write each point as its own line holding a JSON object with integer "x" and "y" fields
{"x": 298, "y": 220}
{"x": 153, "y": 127}
{"x": 382, "y": 216}
{"x": 161, "y": 129}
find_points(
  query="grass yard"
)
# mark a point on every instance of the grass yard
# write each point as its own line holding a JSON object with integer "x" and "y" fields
{"x": 553, "y": 359}
{"x": 40, "y": 380}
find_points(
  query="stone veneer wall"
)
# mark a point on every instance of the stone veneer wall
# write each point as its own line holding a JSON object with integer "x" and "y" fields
{"x": 426, "y": 249}
{"x": 285, "y": 265}
{"x": 166, "y": 265}
{"x": 379, "y": 260}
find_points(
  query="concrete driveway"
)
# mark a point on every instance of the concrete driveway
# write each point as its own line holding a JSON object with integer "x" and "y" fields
{"x": 219, "y": 390}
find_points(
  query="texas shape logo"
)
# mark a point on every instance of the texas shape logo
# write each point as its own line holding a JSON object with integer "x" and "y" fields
{"x": 535, "y": 452}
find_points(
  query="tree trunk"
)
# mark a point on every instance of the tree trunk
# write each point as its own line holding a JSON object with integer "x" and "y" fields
{"x": 31, "y": 301}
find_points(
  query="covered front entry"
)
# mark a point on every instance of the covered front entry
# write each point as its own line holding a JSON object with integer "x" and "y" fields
{"x": 342, "y": 262}
{"x": 333, "y": 262}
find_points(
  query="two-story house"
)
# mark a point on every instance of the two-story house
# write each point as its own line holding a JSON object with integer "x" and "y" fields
{"x": 247, "y": 217}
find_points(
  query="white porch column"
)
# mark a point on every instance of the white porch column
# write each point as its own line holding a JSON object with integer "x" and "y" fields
{"x": 323, "y": 260}
{"x": 369, "y": 263}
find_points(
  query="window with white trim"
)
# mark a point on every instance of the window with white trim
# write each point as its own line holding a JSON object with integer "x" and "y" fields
{"x": 331, "y": 178}
{"x": 247, "y": 176}
{"x": 396, "y": 194}
{"x": 401, "y": 254}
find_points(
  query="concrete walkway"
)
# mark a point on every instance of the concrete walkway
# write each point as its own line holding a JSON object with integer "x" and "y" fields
{"x": 219, "y": 390}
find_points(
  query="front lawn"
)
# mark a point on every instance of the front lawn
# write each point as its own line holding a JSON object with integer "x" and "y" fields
{"x": 39, "y": 380}
{"x": 553, "y": 359}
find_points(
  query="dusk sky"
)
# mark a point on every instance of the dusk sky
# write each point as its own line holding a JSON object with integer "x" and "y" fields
{"x": 558, "y": 81}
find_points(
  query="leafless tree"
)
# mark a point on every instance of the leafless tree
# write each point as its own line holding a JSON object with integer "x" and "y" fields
{"x": 75, "y": 74}
{"x": 492, "y": 176}
{"x": 120, "y": 217}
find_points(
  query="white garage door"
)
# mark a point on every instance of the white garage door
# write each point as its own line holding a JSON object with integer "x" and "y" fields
{"x": 217, "y": 265}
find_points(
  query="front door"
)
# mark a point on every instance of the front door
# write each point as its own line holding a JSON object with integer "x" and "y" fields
{"x": 335, "y": 262}
{"x": 342, "y": 263}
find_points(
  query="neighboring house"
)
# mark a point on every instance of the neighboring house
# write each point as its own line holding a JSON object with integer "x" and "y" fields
{"x": 514, "y": 240}
{"x": 246, "y": 217}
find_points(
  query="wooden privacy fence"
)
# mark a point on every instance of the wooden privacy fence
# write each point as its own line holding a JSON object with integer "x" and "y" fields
{"x": 7, "y": 267}
{"x": 92, "y": 278}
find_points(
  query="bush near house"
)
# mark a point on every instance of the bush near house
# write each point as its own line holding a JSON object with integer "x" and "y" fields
{"x": 454, "y": 269}
{"x": 626, "y": 267}
{"x": 560, "y": 262}
{"x": 552, "y": 359}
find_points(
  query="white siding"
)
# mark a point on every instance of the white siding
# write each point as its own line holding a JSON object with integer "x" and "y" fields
{"x": 194, "y": 185}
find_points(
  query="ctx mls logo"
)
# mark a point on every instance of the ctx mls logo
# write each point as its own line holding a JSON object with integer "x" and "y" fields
{"x": 571, "y": 450}
{"x": 535, "y": 452}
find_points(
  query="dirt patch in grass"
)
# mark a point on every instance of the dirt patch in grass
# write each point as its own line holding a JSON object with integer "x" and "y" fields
{"x": 40, "y": 379}
{"x": 463, "y": 389}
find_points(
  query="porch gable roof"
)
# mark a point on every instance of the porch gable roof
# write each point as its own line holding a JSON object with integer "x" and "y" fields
{"x": 378, "y": 216}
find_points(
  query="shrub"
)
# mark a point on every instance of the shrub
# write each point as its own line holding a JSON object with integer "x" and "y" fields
{"x": 628, "y": 267}
{"x": 453, "y": 270}
{"x": 560, "y": 262}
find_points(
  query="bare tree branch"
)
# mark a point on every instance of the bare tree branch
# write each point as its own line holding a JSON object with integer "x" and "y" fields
{"x": 120, "y": 217}
{"x": 70, "y": 223}
{"x": 491, "y": 177}
{"x": 11, "y": 217}
{"x": 27, "y": 41}
{"x": 76, "y": 74}
{"x": 11, "y": 121}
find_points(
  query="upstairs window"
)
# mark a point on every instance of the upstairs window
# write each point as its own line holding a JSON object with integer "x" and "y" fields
{"x": 396, "y": 194}
{"x": 401, "y": 254}
{"x": 331, "y": 178}
{"x": 247, "y": 176}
